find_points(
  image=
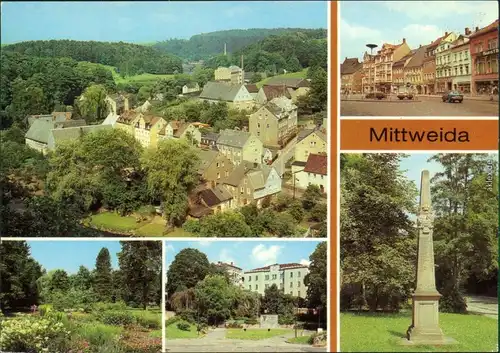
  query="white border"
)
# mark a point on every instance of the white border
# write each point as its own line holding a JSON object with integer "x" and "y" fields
{"x": 337, "y": 240}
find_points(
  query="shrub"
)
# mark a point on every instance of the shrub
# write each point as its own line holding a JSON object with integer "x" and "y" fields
{"x": 97, "y": 334}
{"x": 251, "y": 321}
{"x": 28, "y": 334}
{"x": 172, "y": 320}
{"x": 137, "y": 342}
{"x": 184, "y": 326}
{"x": 191, "y": 226}
{"x": 44, "y": 309}
{"x": 101, "y": 306}
{"x": 147, "y": 319}
{"x": 188, "y": 315}
{"x": 452, "y": 301}
{"x": 234, "y": 325}
{"x": 117, "y": 318}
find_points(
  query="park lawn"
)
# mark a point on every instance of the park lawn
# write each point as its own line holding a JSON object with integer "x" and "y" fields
{"x": 173, "y": 332}
{"x": 113, "y": 221}
{"x": 180, "y": 233}
{"x": 142, "y": 78}
{"x": 299, "y": 340}
{"x": 374, "y": 332}
{"x": 156, "y": 333}
{"x": 151, "y": 230}
{"x": 254, "y": 334}
{"x": 300, "y": 74}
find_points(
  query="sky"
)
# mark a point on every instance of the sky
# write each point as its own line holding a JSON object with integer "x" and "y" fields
{"x": 247, "y": 254}
{"x": 69, "y": 255}
{"x": 145, "y": 21}
{"x": 420, "y": 22}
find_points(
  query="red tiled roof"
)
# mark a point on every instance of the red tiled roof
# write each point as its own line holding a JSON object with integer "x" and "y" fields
{"x": 272, "y": 92}
{"x": 282, "y": 267}
{"x": 317, "y": 164}
{"x": 491, "y": 27}
{"x": 252, "y": 88}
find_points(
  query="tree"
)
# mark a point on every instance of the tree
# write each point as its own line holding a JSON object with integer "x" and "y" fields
{"x": 466, "y": 224}
{"x": 140, "y": 263}
{"x": 225, "y": 224}
{"x": 256, "y": 77}
{"x": 378, "y": 242}
{"x": 83, "y": 280}
{"x": 275, "y": 301}
{"x": 59, "y": 281}
{"x": 311, "y": 196}
{"x": 247, "y": 303}
{"x": 103, "y": 284}
{"x": 102, "y": 168}
{"x": 316, "y": 279}
{"x": 172, "y": 172}
{"x": 318, "y": 95}
{"x": 215, "y": 298}
{"x": 92, "y": 104}
{"x": 19, "y": 273}
{"x": 189, "y": 267}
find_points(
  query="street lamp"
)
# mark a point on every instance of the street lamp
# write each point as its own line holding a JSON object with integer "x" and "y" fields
{"x": 293, "y": 176}
{"x": 371, "y": 46}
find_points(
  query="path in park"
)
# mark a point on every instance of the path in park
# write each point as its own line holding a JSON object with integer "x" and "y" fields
{"x": 215, "y": 341}
{"x": 487, "y": 306}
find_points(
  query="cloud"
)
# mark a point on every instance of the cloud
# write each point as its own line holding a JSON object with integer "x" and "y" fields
{"x": 417, "y": 10}
{"x": 204, "y": 243}
{"x": 351, "y": 31}
{"x": 263, "y": 256}
{"x": 305, "y": 262}
{"x": 225, "y": 256}
{"x": 237, "y": 11}
{"x": 169, "y": 248}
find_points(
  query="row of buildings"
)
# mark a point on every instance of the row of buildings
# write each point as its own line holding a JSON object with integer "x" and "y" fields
{"x": 287, "y": 277}
{"x": 466, "y": 62}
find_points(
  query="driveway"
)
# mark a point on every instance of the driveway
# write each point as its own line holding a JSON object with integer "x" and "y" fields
{"x": 487, "y": 306}
{"x": 215, "y": 341}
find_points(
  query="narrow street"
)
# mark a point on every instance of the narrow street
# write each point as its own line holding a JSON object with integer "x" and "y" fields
{"x": 487, "y": 306}
{"x": 285, "y": 155}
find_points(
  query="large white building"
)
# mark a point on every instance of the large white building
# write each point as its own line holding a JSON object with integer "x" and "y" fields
{"x": 287, "y": 277}
{"x": 235, "y": 273}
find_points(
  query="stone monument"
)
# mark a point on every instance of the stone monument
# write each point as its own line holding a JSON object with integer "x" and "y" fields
{"x": 269, "y": 321}
{"x": 424, "y": 329}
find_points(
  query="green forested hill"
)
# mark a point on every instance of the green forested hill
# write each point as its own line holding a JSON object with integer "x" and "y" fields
{"x": 203, "y": 46}
{"x": 128, "y": 58}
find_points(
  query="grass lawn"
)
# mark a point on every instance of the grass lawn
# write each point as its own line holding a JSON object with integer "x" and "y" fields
{"x": 382, "y": 332}
{"x": 300, "y": 74}
{"x": 143, "y": 78}
{"x": 299, "y": 340}
{"x": 254, "y": 334}
{"x": 151, "y": 230}
{"x": 172, "y": 332}
{"x": 179, "y": 232}
{"x": 113, "y": 221}
{"x": 156, "y": 333}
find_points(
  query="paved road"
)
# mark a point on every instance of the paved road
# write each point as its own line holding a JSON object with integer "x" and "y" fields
{"x": 487, "y": 306}
{"x": 286, "y": 154}
{"x": 215, "y": 341}
{"x": 427, "y": 106}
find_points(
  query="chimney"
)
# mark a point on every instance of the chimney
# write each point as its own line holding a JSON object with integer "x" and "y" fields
{"x": 446, "y": 34}
{"x": 467, "y": 31}
{"x": 477, "y": 29}
{"x": 242, "y": 63}
{"x": 404, "y": 40}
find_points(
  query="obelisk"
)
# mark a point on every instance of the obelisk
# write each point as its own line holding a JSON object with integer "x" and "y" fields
{"x": 425, "y": 320}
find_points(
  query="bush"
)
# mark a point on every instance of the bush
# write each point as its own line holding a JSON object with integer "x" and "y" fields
{"x": 147, "y": 319}
{"x": 188, "y": 315}
{"x": 44, "y": 309}
{"x": 191, "y": 226}
{"x": 234, "y": 325}
{"x": 184, "y": 326}
{"x": 28, "y": 334}
{"x": 452, "y": 301}
{"x": 97, "y": 334}
{"x": 136, "y": 342}
{"x": 251, "y": 321}
{"x": 116, "y": 318}
{"x": 101, "y": 306}
{"x": 172, "y": 320}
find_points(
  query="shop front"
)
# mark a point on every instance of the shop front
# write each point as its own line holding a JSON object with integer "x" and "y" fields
{"x": 462, "y": 85}
{"x": 485, "y": 86}
{"x": 443, "y": 85}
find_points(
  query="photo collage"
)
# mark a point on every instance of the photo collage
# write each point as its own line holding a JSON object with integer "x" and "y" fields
{"x": 249, "y": 176}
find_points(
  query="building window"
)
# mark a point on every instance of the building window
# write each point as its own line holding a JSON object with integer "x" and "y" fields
{"x": 267, "y": 286}
{"x": 249, "y": 278}
{"x": 281, "y": 275}
{"x": 274, "y": 276}
{"x": 267, "y": 277}
{"x": 258, "y": 125}
{"x": 256, "y": 278}
{"x": 267, "y": 126}
{"x": 291, "y": 284}
{"x": 493, "y": 43}
{"x": 256, "y": 287}
{"x": 298, "y": 274}
{"x": 250, "y": 287}
{"x": 291, "y": 274}
{"x": 218, "y": 175}
{"x": 298, "y": 284}
{"x": 291, "y": 292}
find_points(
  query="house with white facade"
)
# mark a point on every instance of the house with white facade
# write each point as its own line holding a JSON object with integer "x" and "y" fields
{"x": 315, "y": 172}
{"x": 289, "y": 278}
{"x": 235, "y": 95}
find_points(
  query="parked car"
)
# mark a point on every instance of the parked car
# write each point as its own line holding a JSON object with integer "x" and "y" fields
{"x": 405, "y": 95}
{"x": 453, "y": 96}
{"x": 376, "y": 95}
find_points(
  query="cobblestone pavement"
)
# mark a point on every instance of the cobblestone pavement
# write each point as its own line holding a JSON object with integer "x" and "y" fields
{"x": 426, "y": 106}
{"x": 215, "y": 341}
{"x": 487, "y": 306}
